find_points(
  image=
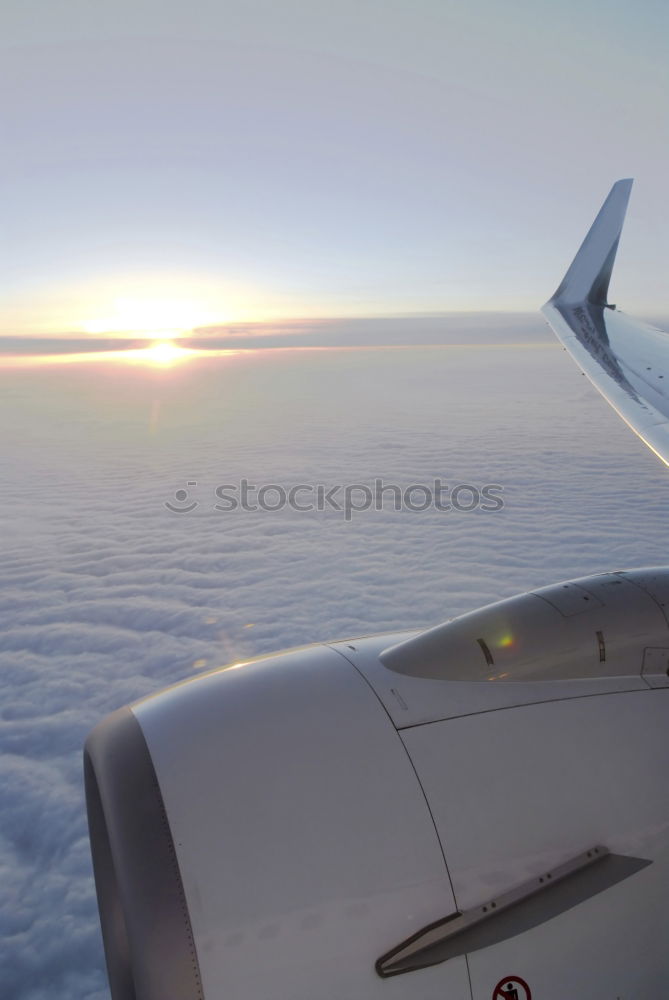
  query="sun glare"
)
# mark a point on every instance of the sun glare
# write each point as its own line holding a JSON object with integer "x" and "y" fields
{"x": 163, "y": 353}
{"x": 136, "y": 315}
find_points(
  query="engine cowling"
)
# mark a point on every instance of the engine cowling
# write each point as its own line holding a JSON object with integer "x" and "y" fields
{"x": 273, "y": 830}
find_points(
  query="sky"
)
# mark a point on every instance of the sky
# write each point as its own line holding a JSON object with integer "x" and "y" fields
{"x": 170, "y": 166}
{"x": 386, "y": 190}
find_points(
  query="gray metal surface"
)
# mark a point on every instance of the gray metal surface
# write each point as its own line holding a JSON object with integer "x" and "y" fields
{"x": 149, "y": 945}
{"x": 594, "y": 627}
{"x": 625, "y": 359}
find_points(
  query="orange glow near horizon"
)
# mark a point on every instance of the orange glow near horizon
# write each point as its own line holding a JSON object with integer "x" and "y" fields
{"x": 146, "y": 304}
{"x": 160, "y": 354}
{"x": 164, "y": 354}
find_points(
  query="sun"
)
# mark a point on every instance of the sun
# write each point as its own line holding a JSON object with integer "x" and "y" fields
{"x": 163, "y": 353}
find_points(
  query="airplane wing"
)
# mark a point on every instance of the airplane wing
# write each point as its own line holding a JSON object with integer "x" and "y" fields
{"x": 627, "y": 360}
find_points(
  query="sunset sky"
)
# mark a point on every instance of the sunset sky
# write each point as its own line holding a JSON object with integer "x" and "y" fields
{"x": 398, "y": 183}
{"x": 170, "y": 166}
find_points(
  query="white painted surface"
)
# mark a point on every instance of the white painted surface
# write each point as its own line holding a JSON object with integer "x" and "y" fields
{"x": 304, "y": 841}
{"x": 629, "y": 365}
{"x": 414, "y": 701}
{"x": 518, "y": 791}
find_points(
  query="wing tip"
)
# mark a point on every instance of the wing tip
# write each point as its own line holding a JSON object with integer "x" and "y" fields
{"x": 588, "y": 276}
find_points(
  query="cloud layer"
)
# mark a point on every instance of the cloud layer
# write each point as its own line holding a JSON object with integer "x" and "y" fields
{"x": 107, "y": 596}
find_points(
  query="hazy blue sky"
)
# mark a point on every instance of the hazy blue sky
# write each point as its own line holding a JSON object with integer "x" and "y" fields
{"x": 170, "y": 165}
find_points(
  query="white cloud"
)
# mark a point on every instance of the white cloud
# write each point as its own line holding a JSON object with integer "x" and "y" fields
{"x": 106, "y": 596}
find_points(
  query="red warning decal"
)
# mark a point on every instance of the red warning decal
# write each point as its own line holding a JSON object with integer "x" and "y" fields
{"x": 512, "y": 988}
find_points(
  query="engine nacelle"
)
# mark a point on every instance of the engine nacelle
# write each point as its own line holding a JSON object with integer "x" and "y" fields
{"x": 444, "y": 814}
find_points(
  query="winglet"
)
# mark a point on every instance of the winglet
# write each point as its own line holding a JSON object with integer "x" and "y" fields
{"x": 587, "y": 279}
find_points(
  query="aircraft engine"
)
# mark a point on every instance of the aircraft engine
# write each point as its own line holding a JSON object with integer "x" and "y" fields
{"x": 476, "y": 811}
